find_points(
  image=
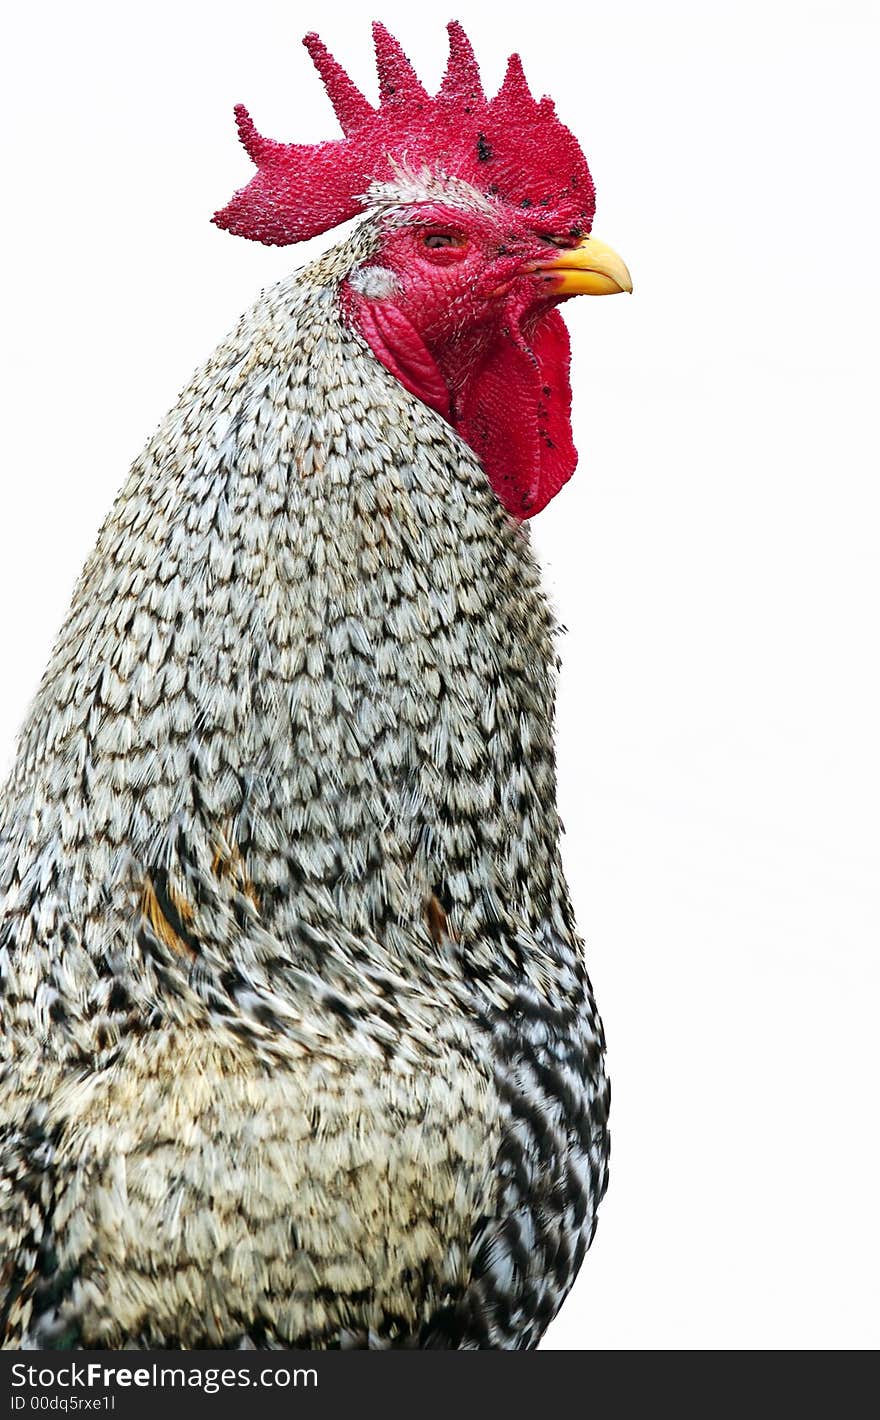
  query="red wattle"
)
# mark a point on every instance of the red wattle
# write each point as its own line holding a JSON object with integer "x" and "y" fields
{"x": 514, "y": 409}
{"x": 515, "y": 412}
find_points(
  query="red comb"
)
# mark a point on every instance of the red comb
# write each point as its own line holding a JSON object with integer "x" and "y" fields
{"x": 511, "y": 147}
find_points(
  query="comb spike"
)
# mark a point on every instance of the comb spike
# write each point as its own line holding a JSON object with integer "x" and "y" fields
{"x": 462, "y": 77}
{"x": 397, "y": 78}
{"x": 515, "y": 85}
{"x": 258, "y": 148}
{"x": 349, "y": 104}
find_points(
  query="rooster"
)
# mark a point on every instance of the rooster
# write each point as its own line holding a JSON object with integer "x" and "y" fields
{"x": 298, "y": 1044}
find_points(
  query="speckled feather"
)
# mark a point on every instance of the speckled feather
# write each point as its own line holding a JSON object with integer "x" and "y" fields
{"x": 298, "y": 1043}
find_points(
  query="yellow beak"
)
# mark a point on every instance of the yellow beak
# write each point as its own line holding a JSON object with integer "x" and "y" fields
{"x": 589, "y": 269}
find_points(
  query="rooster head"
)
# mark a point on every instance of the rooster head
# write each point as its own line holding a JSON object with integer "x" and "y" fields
{"x": 483, "y": 211}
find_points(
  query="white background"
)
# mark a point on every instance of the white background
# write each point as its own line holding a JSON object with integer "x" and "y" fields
{"x": 714, "y": 558}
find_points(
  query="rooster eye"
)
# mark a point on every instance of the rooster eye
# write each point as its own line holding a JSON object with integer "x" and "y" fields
{"x": 434, "y": 240}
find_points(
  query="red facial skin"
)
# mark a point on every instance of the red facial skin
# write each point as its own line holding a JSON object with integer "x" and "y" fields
{"x": 474, "y": 333}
